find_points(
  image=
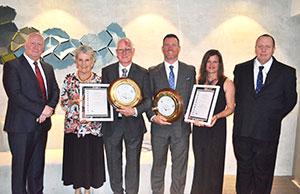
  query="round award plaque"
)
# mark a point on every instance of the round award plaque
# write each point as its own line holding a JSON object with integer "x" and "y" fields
{"x": 124, "y": 92}
{"x": 169, "y": 104}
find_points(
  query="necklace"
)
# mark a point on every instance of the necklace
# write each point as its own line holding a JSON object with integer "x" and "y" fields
{"x": 86, "y": 79}
{"x": 211, "y": 82}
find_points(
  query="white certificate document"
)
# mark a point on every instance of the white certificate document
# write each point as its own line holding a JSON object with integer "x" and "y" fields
{"x": 93, "y": 104}
{"x": 202, "y": 103}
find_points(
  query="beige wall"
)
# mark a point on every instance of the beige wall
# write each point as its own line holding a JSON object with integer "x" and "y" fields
{"x": 296, "y": 170}
{"x": 295, "y": 11}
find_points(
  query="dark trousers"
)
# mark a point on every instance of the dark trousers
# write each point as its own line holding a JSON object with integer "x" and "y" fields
{"x": 255, "y": 165}
{"x": 114, "y": 150}
{"x": 28, "y": 161}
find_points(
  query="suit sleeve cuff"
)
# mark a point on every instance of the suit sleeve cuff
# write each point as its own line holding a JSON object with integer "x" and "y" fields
{"x": 135, "y": 112}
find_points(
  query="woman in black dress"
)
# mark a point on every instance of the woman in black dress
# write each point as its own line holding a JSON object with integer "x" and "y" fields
{"x": 209, "y": 142}
{"x": 83, "y": 160}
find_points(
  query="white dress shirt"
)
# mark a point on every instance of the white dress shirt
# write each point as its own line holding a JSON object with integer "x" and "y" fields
{"x": 121, "y": 67}
{"x": 265, "y": 70}
{"x": 30, "y": 61}
{"x": 175, "y": 70}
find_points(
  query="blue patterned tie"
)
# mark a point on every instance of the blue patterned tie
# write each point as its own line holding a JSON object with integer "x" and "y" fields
{"x": 259, "y": 81}
{"x": 171, "y": 77}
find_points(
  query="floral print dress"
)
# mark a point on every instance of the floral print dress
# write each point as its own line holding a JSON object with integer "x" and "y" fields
{"x": 70, "y": 90}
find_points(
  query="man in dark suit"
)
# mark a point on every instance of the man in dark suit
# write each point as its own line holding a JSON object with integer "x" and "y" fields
{"x": 128, "y": 124}
{"x": 165, "y": 135}
{"x": 265, "y": 94}
{"x": 32, "y": 92}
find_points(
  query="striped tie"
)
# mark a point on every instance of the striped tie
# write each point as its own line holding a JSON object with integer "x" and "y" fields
{"x": 124, "y": 72}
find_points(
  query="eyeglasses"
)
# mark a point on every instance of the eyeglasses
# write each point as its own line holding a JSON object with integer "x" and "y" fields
{"x": 126, "y": 50}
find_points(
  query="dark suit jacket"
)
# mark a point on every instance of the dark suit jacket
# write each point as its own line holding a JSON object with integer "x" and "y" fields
{"x": 259, "y": 115}
{"x": 25, "y": 102}
{"x": 134, "y": 126}
{"x": 184, "y": 85}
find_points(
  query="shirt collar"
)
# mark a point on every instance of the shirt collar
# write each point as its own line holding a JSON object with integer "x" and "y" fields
{"x": 30, "y": 60}
{"x": 127, "y": 67}
{"x": 175, "y": 64}
{"x": 267, "y": 65}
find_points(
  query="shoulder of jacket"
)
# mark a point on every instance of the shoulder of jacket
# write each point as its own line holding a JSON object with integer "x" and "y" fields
{"x": 155, "y": 67}
{"x": 110, "y": 66}
{"x": 244, "y": 65}
{"x": 140, "y": 68}
{"x": 11, "y": 62}
{"x": 187, "y": 66}
{"x": 284, "y": 66}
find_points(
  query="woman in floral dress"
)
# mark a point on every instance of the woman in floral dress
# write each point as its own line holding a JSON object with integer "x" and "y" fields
{"x": 83, "y": 160}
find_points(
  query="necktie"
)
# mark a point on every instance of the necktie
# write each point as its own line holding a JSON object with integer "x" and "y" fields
{"x": 171, "y": 77}
{"x": 259, "y": 81}
{"x": 40, "y": 80}
{"x": 124, "y": 72}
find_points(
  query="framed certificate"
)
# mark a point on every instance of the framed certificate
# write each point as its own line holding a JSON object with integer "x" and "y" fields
{"x": 94, "y": 105}
{"x": 202, "y": 103}
{"x": 168, "y": 103}
{"x": 124, "y": 92}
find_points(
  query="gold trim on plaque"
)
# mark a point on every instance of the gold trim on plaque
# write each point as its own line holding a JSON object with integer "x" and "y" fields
{"x": 175, "y": 98}
{"x": 124, "y": 88}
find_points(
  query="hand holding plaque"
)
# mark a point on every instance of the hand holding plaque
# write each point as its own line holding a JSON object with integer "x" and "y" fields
{"x": 169, "y": 104}
{"x": 124, "y": 92}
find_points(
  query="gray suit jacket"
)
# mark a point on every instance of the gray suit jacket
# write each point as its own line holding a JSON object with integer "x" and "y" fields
{"x": 184, "y": 85}
{"x": 134, "y": 126}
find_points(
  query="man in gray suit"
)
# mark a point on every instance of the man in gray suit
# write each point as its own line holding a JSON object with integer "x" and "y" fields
{"x": 128, "y": 124}
{"x": 165, "y": 135}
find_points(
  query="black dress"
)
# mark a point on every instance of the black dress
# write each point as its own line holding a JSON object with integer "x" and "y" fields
{"x": 83, "y": 161}
{"x": 209, "y": 151}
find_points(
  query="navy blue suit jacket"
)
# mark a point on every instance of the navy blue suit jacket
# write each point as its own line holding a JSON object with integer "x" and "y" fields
{"x": 259, "y": 115}
{"x": 25, "y": 102}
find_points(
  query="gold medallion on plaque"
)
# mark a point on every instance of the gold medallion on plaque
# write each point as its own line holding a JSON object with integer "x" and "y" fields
{"x": 169, "y": 104}
{"x": 124, "y": 92}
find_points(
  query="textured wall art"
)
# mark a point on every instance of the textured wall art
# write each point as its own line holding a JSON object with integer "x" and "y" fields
{"x": 59, "y": 46}
{"x": 7, "y": 31}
